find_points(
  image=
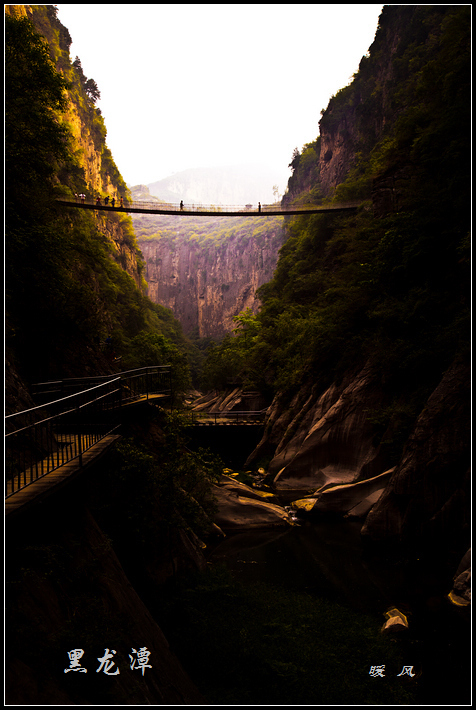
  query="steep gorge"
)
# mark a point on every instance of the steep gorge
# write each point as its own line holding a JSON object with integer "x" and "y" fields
{"x": 367, "y": 392}
{"x": 209, "y": 278}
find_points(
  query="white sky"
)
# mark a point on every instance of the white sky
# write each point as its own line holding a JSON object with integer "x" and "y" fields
{"x": 191, "y": 86}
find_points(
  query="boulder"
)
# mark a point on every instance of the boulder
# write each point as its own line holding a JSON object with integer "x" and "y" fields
{"x": 303, "y": 504}
{"x": 365, "y": 505}
{"x": 396, "y": 622}
{"x": 460, "y": 595}
{"x": 243, "y": 508}
{"x": 353, "y": 499}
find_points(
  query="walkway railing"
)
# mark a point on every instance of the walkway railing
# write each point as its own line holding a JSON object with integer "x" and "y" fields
{"x": 199, "y": 209}
{"x": 41, "y": 439}
{"x": 224, "y": 418}
{"x": 144, "y": 380}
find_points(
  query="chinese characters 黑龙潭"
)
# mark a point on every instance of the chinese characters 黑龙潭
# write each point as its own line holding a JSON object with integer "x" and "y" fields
{"x": 106, "y": 664}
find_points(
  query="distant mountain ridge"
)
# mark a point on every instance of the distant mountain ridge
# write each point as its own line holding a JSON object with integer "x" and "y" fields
{"x": 228, "y": 185}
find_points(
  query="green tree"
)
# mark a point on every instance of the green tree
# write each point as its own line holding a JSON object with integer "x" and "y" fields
{"x": 36, "y": 144}
{"x": 92, "y": 90}
{"x": 155, "y": 349}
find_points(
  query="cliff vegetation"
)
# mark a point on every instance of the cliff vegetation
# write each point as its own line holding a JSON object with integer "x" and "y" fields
{"x": 391, "y": 282}
{"x": 72, "y": 279}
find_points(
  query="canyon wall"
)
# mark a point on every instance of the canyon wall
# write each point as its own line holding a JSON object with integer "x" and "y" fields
{"x": 337, "y": 431}
{"x": 206, "y": 285}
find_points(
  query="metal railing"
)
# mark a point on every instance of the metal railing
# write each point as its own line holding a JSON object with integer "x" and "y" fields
{"x": 44, "y": 438}
{"x": 224, "y": 418}
{"x": 143, "y": 380}
{"x": 41, "y": 439}
{"x": 249, "y": 209}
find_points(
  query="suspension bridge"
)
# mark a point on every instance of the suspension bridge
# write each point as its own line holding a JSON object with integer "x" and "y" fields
{"x": 181, "y": 209}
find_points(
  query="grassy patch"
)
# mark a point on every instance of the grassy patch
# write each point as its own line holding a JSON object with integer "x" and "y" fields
{"x": 262, "y": 645}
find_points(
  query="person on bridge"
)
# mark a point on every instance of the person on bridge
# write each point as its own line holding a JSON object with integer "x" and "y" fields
{"x": 83, "y": 197}
{"x": 181, "y": 204}
{"x": 122, "y": 202}
{"x": 259, "y": 206}
{"x": 98, "y": 200}
{"x": 106, "y": 200}
{"x": 113, "y": 201}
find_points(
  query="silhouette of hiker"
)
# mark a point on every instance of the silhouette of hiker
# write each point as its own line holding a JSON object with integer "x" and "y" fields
{"x": 181, "y": 204}
{"x": 98, "y": 200}
{"x": 109, "y": 348}
{"x": 113, "y": 201}
{"x": 122, "y": 202}
{"x": 259, "y": 206}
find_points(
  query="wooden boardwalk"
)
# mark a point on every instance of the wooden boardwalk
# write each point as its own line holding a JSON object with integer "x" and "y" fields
{"x": 49, "y": 444}
{"x": 50, "y": 482}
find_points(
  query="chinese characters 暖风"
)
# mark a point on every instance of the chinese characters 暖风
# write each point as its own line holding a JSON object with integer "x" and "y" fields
{"x": 379, "y": 671}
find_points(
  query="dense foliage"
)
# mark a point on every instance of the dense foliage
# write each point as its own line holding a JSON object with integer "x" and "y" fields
{"x": 66, "y": 287}
{"x": 390, "y": 287}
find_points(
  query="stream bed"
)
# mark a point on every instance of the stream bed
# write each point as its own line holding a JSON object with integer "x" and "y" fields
{"x": 325, "y": 559}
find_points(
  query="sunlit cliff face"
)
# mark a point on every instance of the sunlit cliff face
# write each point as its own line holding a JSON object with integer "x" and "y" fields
{"x": 206, "y": 288}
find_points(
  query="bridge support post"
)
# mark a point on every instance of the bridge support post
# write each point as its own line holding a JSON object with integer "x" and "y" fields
{"x": 80, "y": 441}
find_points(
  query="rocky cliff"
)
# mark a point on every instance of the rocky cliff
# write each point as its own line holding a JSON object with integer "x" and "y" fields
{"x": 325, "y": 439}
{"x": 84, "y": 120}
{"x": 209, "y": 279}
{"x": 365, "y": 110}
{"x": 351, "y": 440}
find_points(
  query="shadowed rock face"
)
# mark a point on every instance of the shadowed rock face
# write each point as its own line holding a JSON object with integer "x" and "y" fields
{"x": 427, "y": 497}
{"x": 333, "y": 439}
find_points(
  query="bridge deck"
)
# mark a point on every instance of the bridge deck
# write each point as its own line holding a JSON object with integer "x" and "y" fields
{"x": 210, "y": 210}
{"x": 44, "y": 485}
{"x": 217, "y": 421}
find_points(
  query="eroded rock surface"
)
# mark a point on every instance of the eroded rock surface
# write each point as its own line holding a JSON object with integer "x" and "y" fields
{"x": 427, "y": 497}
{"x": 332, "y": 439}
{"x": 241, "y": 507}
{"x": 352, "y": 499}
